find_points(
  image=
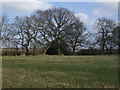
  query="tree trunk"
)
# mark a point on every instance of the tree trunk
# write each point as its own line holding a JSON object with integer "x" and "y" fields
{"x": 73, "y": 51}
{"x": 103, "y": 41}
{"x": 26, "y": 51}
{"x": 119, "y": 48}
{"x": 103, "y": 47}
{"x": 59, "y": 52}
{"x": 46, "y": 48}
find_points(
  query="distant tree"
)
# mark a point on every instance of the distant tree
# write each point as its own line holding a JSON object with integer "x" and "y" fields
{"x": 89, "y": 44}
{"x": 115, "y": 38}
{"x": 76, "y": 35}
{"x": 22, "y": 32}
{"x": 5, "y": 29}
{"x": 104, "y": 28}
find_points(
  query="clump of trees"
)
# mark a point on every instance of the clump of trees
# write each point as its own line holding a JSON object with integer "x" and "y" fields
{"x": 57, "y": 31}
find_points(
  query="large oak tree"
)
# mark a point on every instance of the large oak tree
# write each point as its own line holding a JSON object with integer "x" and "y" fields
{"x": 52, "y": 25}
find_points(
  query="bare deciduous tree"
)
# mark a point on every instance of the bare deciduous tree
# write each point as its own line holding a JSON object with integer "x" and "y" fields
{"x": 104, "y": 28}
{"x": 75, "y": 35}
{"x": 5, "y": 29}
{"x": 52, "y": 25}
{"x": 115, "y": 38}
{"x": 22, "y": 32}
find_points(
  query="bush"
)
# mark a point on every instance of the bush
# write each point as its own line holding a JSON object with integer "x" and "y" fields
{"x": 96, "y": 52}
{"x": 90, "y": 52}
{"x": 53, "y": 49}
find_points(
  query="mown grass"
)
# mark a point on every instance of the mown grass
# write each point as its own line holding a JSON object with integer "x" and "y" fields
{"x": 60, "y": 71}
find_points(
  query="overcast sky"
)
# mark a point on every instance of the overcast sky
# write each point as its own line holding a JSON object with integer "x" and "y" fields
{"x": 88, "y": 12}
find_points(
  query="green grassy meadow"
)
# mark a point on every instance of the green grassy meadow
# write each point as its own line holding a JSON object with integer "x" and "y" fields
{"x": 100, "y": 71}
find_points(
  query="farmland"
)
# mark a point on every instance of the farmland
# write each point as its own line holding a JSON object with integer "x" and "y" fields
{"x": 44, "y": 71}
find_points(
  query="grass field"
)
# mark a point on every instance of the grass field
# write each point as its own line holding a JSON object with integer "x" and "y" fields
{"x": 60, "y": 71}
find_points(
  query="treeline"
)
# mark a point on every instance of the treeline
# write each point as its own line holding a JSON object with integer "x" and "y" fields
{"x": 57, "y": 31}
{"x": 18, "y": 52}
